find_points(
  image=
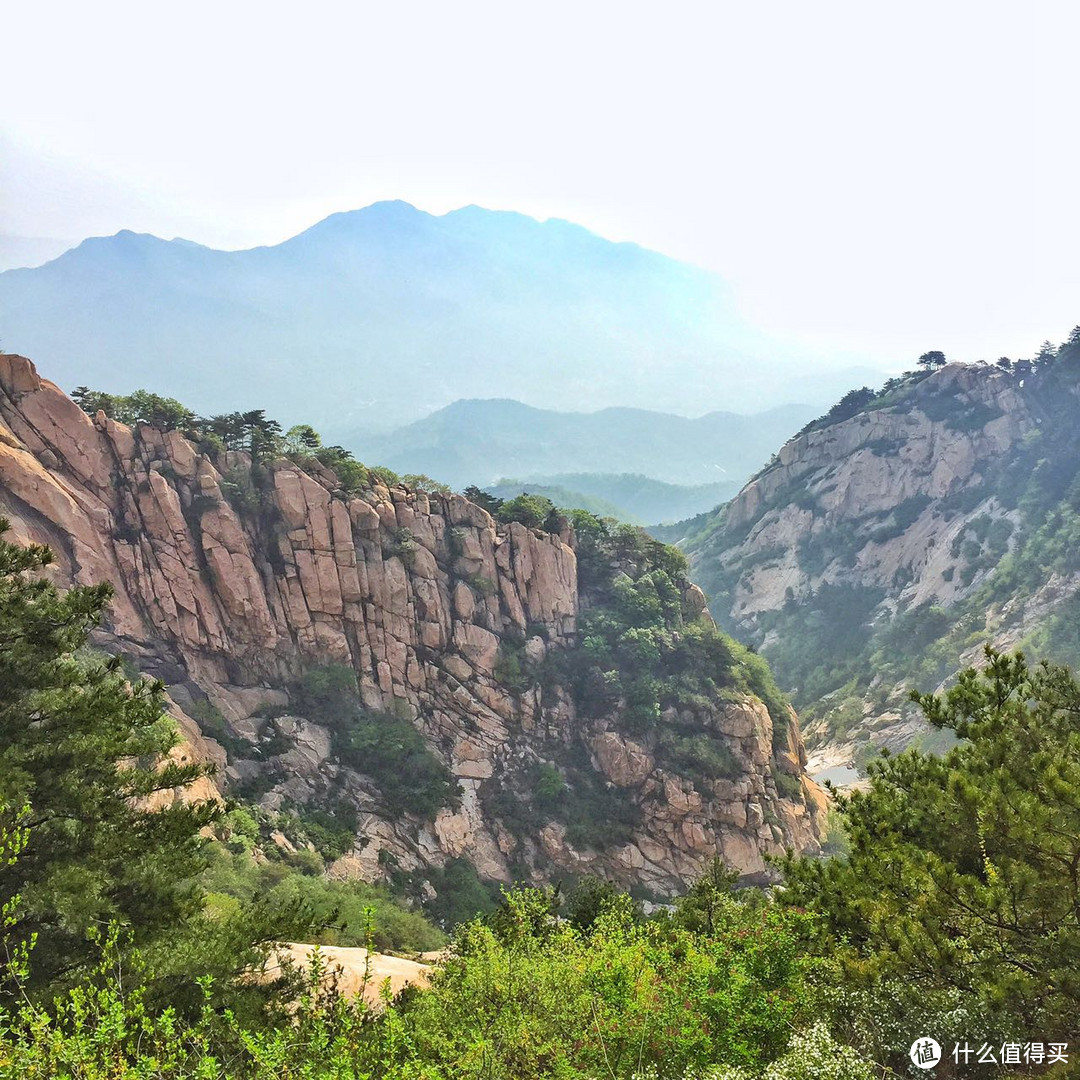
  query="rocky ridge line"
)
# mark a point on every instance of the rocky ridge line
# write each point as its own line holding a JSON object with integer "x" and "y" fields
{"x": 418, "y": 594}
{"x": 883, "y": 501}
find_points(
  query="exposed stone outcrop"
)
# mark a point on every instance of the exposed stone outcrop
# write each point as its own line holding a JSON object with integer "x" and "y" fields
{"x": 229, "y": 594}
{"x": 895, "y": 502}
{"x": 352, "y": 971}
{"x": 859, "y": 472}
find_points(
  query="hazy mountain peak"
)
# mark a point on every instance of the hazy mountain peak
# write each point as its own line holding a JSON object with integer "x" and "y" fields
{"x": 376, "y": 316}
{"x": 122, "y": 242}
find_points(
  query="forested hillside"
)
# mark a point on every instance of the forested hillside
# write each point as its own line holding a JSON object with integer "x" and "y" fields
{"x": 893, "y": 537}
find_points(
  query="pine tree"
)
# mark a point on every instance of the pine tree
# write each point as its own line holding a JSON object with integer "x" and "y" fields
{"x": 964, "y": 870}
{"x": 85, "y": 750}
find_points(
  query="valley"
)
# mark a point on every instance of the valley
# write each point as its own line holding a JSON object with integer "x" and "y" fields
{"x": 501, "y": 749}
{"x": 637, "y": 465}
{"x": 521, "y": 556}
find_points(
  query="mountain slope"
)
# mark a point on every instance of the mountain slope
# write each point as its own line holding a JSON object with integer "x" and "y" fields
{"x": 625, "y": 496}
{"x": 396, "y": 664}
{"x": 482, "y": 441}
{"x": 882, "y": 550}
{"x": 378, "y": 316}
{"x": 19, "y": 251}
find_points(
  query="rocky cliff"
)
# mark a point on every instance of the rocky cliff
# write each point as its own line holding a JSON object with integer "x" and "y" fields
{"x": 233, "y": 581}
{"x": 881, "y": 551}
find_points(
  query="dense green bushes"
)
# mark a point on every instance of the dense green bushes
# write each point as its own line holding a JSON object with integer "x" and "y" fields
{"x": 632, "y": 994}
{"x": 596, "y": 815}
{"x": 343, "y": 912}
{"x": 523, "y": 994}
{"x": 386, "y": 747}
{"x": 78, "y": 747}
{"x": 961, "y": 876}
{"x": 951, "y": 909}
{"x": 639, "y": 642}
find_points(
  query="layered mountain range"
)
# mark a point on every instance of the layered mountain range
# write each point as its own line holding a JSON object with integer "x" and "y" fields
{"x": 388, "y": 313}
{"x": 637, "y": 464}
{"x": 527, "y": 701}
{"x": 888, "y": 542}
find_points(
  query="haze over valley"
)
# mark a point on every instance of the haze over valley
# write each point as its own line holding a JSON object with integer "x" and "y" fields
{"x": 539, "y": 543}
{"x": 392, "y": 313}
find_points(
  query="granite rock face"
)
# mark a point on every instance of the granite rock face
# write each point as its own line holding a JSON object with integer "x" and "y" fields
{"x": 859, "y": 471}
{"x": 901, "y": 504}
{"x": 230, "y": 597}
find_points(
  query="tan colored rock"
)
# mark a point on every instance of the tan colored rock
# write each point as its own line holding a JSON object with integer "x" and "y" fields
{"x": 816, "y": 798}
{"x": 363, "y": 515}
{"x": 743, "y": 719}
{"x": 18, "y": 375}
{"x": 480, "y": 647}
{"x": 464, "y": 602}
{"x": 242, "y": 602}
{"x": 352, "y": 972}
{"x": 694, "y": 603}
{"x": 624, "y": 762}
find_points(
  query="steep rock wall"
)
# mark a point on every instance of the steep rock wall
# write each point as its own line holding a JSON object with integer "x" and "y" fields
{"x": 887, "y": 529}
{"x": 230, "y": 593}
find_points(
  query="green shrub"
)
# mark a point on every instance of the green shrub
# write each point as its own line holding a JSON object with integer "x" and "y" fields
{"x": 391, "y": 751}
{"x": 700, "y": 756}
{"x": 460, "y": 895}
{"x": 511, "y": 667}
{"x": 328, "y": 695}
{"x": 386, "y": 747}
{"x": 530, "y": 510}
{"x": 789, "y": 787}
{"x": 239, "y": 489}
{"x": 550, "y": 786}
{"x": 402, "y": 544}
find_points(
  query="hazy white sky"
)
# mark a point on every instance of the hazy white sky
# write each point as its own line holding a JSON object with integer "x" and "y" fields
{"x": 879, "y": 178}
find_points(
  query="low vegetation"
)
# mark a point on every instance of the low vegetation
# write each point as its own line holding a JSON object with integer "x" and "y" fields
{"x": 386, "y": 747}
{"x": 125, "y": 932}
{"x": 246, "y": 868}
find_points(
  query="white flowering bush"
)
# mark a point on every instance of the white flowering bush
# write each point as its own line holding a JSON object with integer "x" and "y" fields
{"x": 816, "y": 1055}
{"x": 885, "y": 1019}
{"x": 813, "y": 1055}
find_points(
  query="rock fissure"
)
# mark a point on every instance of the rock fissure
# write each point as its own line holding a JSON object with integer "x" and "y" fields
{"x": 448, "y": 621}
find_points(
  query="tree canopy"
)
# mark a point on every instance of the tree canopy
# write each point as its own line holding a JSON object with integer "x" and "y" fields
{"x": 963, "y": 876}
{"x": 109, "y": 842}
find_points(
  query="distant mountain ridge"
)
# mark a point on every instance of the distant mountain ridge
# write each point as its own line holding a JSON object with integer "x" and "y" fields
{"x": 482, "y": 441}
{"x": 375, "y": 317}
{"x": 630, "y": 497}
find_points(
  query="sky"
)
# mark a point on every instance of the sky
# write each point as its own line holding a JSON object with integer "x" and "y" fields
{"x": 874, "y": 179}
